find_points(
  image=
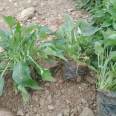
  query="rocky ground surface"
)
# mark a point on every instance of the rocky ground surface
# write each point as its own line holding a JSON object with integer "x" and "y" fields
{"x": 62, "y": 98}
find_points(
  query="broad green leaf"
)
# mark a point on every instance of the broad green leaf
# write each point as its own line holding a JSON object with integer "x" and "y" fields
{"x": 68, "y": 24}
{"x": 46, "y": 75}
{"x": 21, "y": 76}
{"x": 109, "y": 38}
{"x": 113, "y": 55}
{"x": 31, "y": 84}
{"x": 1, "y": 85}
{"x": 43, "y": 32}
{"x": 87, "y": 29}
{"x": 51, "y": 49}
{"x": 4, "y": 37}
{"x": 98, "y": 48}
{"x": 114, "y": 25}
{"x": 11, "y": 21}
{"x": 66, "y": 28}
{"x": 54, "y": 52}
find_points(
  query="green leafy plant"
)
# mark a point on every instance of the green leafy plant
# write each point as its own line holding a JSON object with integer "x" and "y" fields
{"x": 104, "y": 15}
{"x": 75, "y": 39}
{"x": 106, "y": 53}
{"x": 20, "y": 55}
{"x": 106, "y": 72}
{"x": 87, "y": 4}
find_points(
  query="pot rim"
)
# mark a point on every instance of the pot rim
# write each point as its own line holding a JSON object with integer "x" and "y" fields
{"x": 110, "y": 94}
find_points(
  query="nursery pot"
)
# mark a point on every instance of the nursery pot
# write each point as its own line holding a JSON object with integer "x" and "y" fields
{"x": 106, "y": 103}
{"x": 72, "y": 70}
{"x": 69, "y": 70}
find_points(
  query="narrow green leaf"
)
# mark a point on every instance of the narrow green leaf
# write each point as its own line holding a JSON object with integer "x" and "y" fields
{"x": 46, "y": 75}
{"x": 1, "y": 85}
{"x": 21, "y": 76}
{"x": 86, "y": 29}
{"x": 43, "y": 32}
{"x": 24, "y": 93}
{"x": 113, "y": 55}
{"x": 11, "y": 21}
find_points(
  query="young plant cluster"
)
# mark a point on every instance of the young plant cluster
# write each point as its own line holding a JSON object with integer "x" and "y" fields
{"x": 104, "y": 17}
{"x": 87, "y": 4}
{"x": 92, "y": 43}
{"x": 20, "y": 55}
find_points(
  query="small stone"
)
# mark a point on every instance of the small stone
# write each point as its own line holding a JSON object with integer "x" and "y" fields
{"x": 50, "y": 107}
{"x": 68, "y": 102}
{"x": 20, "y": 113}
{"x": 83, "y": 101}
{"x": 10, "y": 1}
{"x": 87, "y": 112}
{"x": 29, "y": 1}
{"x": 60, "y": 114}
{"x": 16, "y": 4}
{"x": 1, "y": 9}
{"x": 70, "y": 10}
{"x": 4, "y": 112}
{"x": 26, "y": 14}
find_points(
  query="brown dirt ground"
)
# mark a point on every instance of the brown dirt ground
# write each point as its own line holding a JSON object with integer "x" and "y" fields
{"x": 62, "y": 97}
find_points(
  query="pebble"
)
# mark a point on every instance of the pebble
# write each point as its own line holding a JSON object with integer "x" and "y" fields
{"x": 20, "y": 113}
{"x": 1, "y": 9}
{"x": 50, "y": 107}
{"x": 4, "y": 112}
{"x": 26, "y": 14}
{"x": 29, "y": 1}
{"x": 60, "y": 114}
{"x": 87, "y": 112}
{"x": 16, "y": 4}
{"x": 10, "y": 1}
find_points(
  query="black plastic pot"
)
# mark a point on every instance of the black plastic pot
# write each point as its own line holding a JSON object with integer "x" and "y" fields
{"x": 106, "y": 103}
{"x": 72, "y": 70}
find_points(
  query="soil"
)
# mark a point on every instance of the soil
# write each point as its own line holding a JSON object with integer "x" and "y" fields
{"x": 61, "y": 98}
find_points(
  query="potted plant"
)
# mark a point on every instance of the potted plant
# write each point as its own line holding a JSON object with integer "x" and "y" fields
{"x": 74, "y": 38}
{"x": 106, "y": 72}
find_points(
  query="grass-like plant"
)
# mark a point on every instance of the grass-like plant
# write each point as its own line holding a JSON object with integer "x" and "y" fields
{"x": 75, "y": 39}
{"x": 87, "y": 4}
{"x": 105, "y": 15}
{"x": 20, "y": 54}
{"x": 106, "y": 70}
